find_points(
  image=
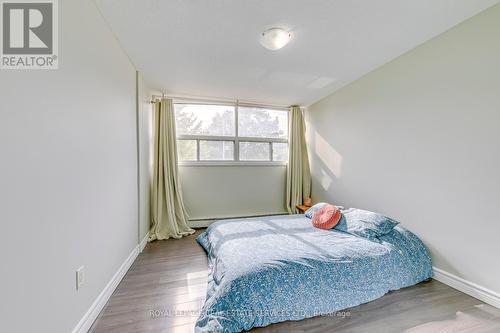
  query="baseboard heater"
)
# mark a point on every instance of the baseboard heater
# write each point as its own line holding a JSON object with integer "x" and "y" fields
{"x": 205, "y": 222}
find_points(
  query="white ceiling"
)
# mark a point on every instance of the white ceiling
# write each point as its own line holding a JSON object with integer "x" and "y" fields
{"x": 211, "y": 48}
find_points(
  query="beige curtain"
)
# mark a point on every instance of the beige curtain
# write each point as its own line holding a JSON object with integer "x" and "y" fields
{"x": 168, "y": 214}
{"x": 298, "y": 178}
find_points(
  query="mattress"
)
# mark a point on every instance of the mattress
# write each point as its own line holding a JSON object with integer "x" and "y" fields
{"x": 276, "y": 268}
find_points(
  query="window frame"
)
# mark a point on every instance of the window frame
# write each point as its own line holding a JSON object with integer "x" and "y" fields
{"x": 236, "y": 139}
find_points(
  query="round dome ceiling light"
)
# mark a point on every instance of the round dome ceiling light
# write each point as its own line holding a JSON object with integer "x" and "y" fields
{"x": 275, "y": 38}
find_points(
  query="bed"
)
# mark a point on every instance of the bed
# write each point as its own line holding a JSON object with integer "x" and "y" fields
{"x": 276, "y": 268}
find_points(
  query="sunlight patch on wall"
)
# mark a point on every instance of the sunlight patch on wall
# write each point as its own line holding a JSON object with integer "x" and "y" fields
{"x": 328, "y": 155}
{"x": 325, "y": 180}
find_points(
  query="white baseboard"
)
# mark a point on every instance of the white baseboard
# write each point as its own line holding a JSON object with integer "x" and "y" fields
{"x": 88, "y": 319}
{"x": 488, "y": 296}
{"x": 143, "y": 243}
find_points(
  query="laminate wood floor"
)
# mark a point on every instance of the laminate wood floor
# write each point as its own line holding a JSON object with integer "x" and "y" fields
{"x": 166, "y": 286}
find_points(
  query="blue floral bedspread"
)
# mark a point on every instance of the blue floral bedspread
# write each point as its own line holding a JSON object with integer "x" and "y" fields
{"x": 275, "y": 268}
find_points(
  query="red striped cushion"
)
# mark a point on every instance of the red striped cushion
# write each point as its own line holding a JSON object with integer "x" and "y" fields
{"x": 327, "y": 217}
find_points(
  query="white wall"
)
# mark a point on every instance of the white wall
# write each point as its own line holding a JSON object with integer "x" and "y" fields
{"x": 68, "y": 185}
{"x": 418, "y": 139}
{"x": 145, "y": 128}
{"x": 233, "y": 191}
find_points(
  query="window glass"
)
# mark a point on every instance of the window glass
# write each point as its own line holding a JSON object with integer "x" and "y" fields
{"x": 198, "y": 119}
{"x": 280, "y": 152}
{"x": 216, "y": 150}
{"x": 254, "y": 151}
{"x": 262, "y": 123}
{"x": 186, "y": 150}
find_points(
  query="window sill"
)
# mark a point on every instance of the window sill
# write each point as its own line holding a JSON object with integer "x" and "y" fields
{"x": 231, "y": 163}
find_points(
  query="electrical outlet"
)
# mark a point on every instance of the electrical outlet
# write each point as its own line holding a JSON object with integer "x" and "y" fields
{"x": 80, "y": 277}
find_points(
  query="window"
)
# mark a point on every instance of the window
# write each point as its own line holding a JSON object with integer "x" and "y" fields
{"x": 262, "y": 123}
{"x": 254, "y": 151}
{"x": 208, "y": 133}
{"x": 187, "y": 150}
{"x": 216, "y": 150}
{"x": 204, "y": 120}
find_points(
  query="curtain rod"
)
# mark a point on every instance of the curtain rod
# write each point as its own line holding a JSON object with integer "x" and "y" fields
{"x": 222, "y": 100}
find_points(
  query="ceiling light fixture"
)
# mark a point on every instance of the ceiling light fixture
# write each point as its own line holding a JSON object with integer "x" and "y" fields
{"x": 275, "y": 38}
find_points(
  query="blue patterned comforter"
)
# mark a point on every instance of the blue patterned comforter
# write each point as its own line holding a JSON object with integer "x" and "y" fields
{"x": 271, "y": 269}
